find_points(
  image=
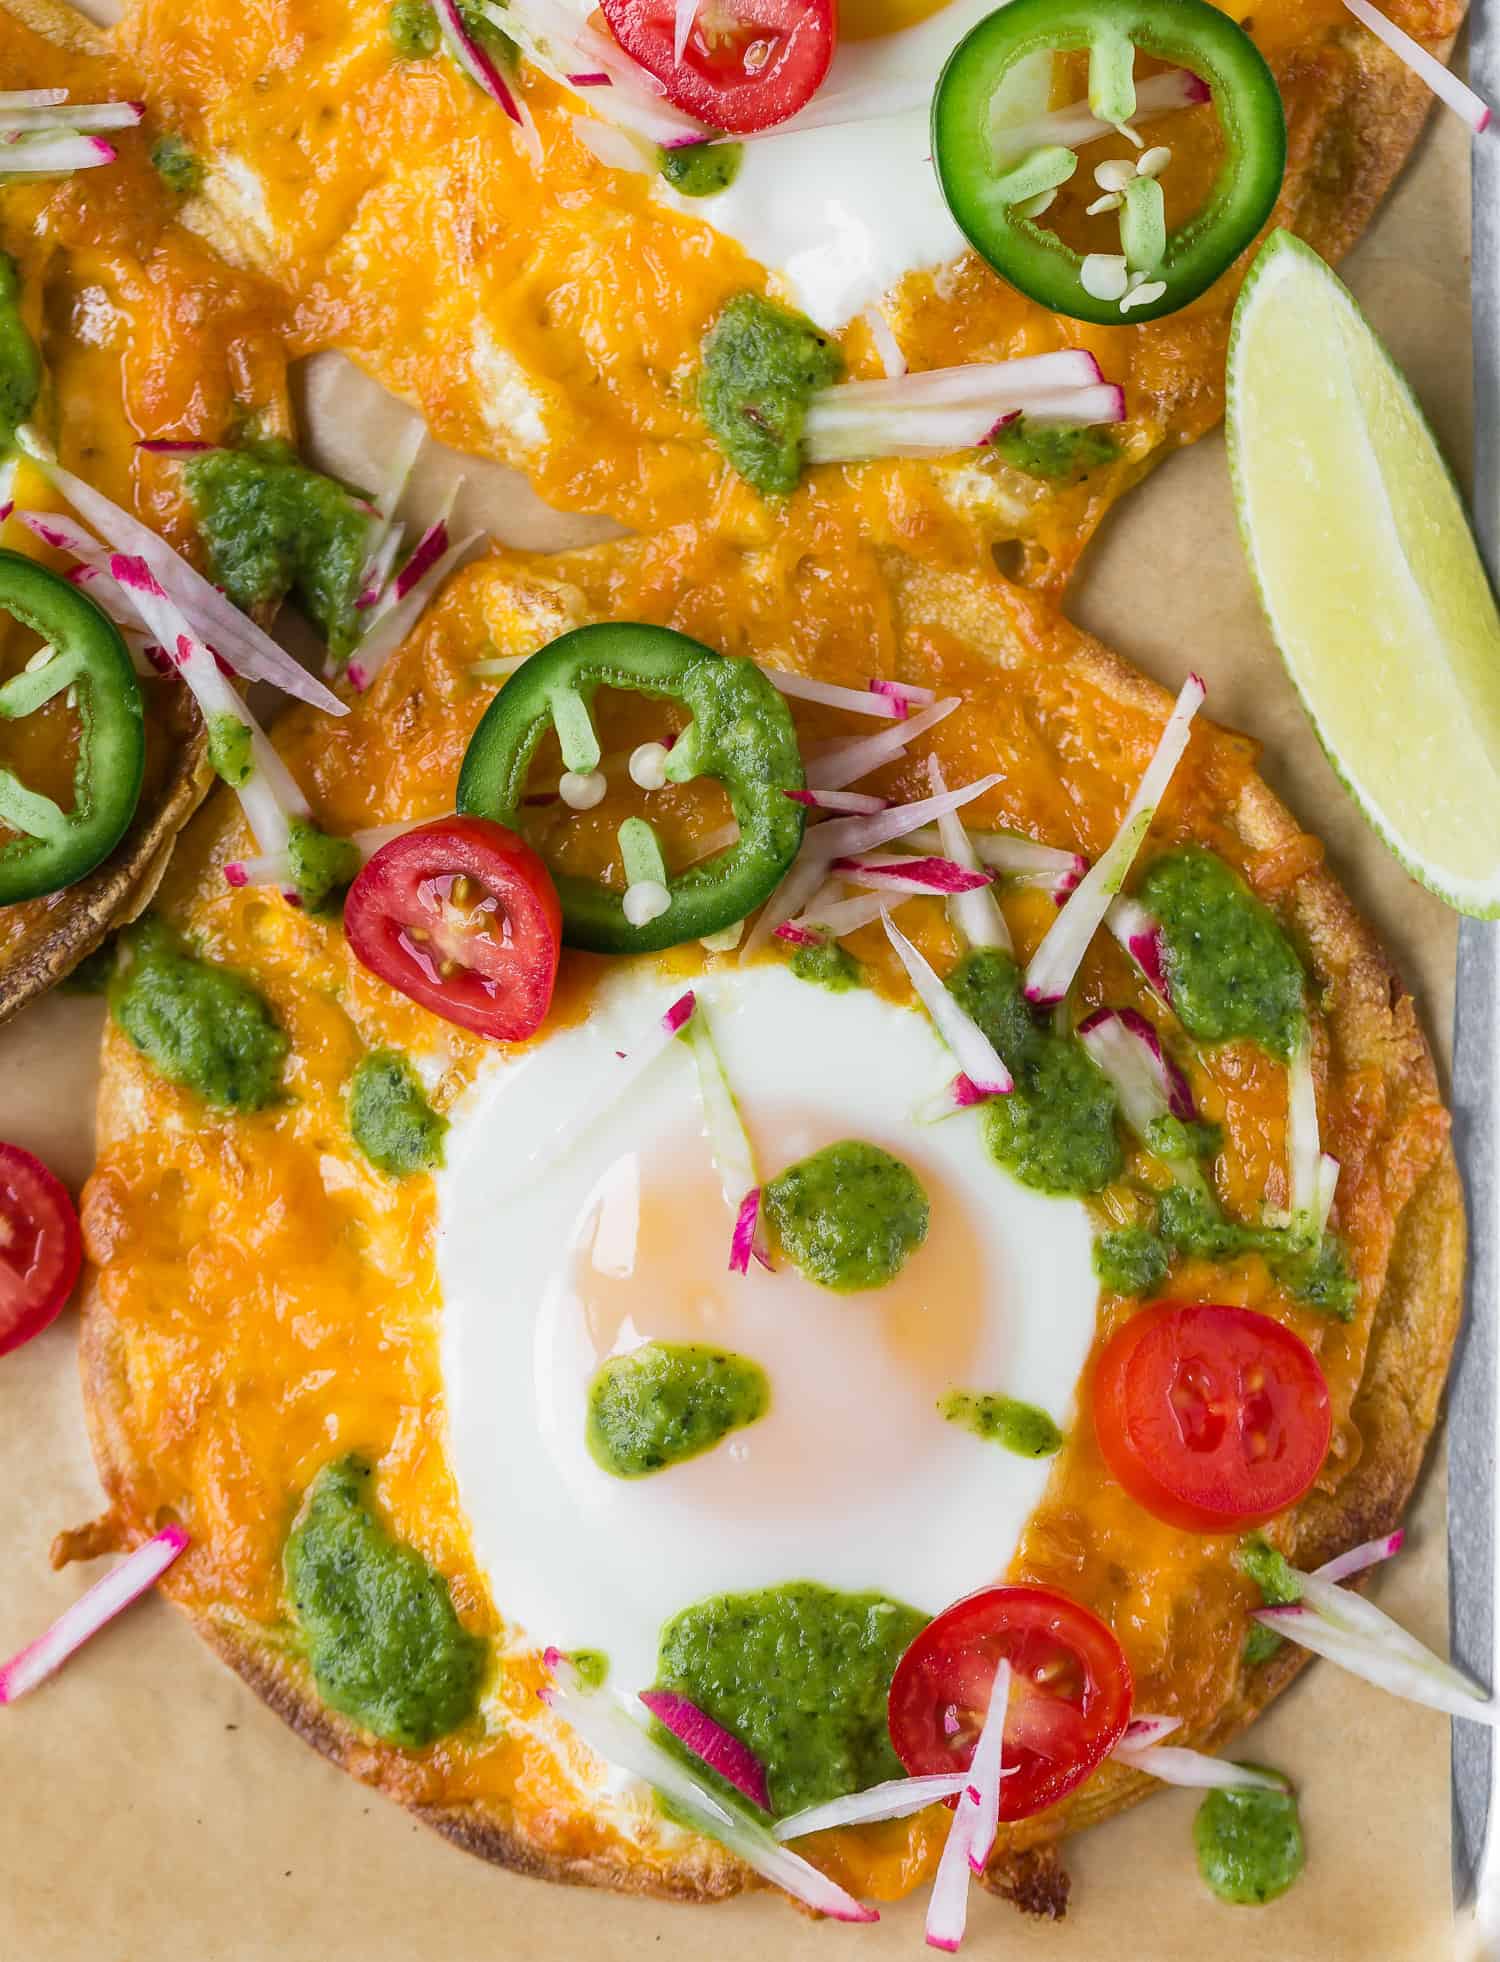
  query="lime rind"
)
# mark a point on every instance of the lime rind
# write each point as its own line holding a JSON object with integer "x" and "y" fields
{"x": 1366, "y": 570}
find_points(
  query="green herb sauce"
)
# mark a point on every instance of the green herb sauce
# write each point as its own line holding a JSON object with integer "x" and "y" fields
{"x": 413, "y": 29}
{"x": 273, "y": 528}
{"x": 321, "y": 865}
{"x": 1261, "y": 1644}
{"x": 1280, "y": 1585}
{"x": 496, "y": 43}
{"x": 592, "y": 1666}
{"x": 1133, "y": 1260}
{"x": 1279, "y": 1582}
{"x": 1320, "y": 1278}
{"x": 828, "y": 965}
{"x": 1053, "y": 453}
{"x": 1056, "y": 1130}
{"x": 1232, "y": 970}
{"x": 389, "y": 1117}
{"x": 1173, "y": 1138}
{"x": 1019, "y": 1427}
{"x": 849, "y": 1216}
{"x": 701, "y": 170}
{"x": 1249, "y": 1845}
{"x": 176, "y": 165}
{"x": 20, "y": 364}
{"x": 229, "y": 749}
{"x": 802, "y": 1673}
{"x": 1136, "y": 1259}
{"x": 762, "y": 365}
{"x": 384, "y": 1643}
{"x": 203, "y": 1026}
{"x": 668, "y": 1401}
{"x": 1190, "y": 1222}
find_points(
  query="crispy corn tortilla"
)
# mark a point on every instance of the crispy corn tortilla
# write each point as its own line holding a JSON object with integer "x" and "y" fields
{"x": 1372, "y": 1032}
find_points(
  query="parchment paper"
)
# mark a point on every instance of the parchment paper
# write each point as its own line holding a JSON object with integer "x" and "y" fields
{"x": 152, "y": 1811}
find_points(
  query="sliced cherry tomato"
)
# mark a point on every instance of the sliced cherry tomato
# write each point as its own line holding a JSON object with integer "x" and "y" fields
{"x": 1211, "y": 1417}
{"x": 41, "y": 1248}
{"x": 1069, "y": 1698}
{"x": 747, "y": 63}
{"x": 463, "y": 916}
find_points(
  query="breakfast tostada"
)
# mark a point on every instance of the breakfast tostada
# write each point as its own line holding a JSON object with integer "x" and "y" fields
{"x": 759, "y": 1218}
{"x": 642, "y": 1352}
{"x": 511, "y": 214}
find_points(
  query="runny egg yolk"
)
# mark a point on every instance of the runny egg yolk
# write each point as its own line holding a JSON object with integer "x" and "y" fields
{"x": 650, "y": 1263}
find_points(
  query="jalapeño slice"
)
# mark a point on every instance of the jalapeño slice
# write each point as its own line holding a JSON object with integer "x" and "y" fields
{"x": 741, "y": 735}
{"x": 996, "y": 193}
{"x": 51, "y": 847}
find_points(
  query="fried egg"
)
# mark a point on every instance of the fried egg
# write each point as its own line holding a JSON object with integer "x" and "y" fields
{"x": 840, "y": 211}
{"x": 550, "y": 1265}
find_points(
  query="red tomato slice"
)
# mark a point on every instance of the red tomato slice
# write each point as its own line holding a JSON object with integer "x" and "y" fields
{"x": 747, "y": 63}
{"x": 462, "y": 916}
{"x": 1211, "y": 1417}
{"x": 1069, "y": 1699}
{"x": 41, "y": 1248}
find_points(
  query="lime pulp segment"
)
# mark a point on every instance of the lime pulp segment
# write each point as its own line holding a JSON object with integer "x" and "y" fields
{"x": 1368, "y": 572}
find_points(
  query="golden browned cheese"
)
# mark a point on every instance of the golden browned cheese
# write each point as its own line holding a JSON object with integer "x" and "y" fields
{"x": 555, "y": 317}
{"x": 266, "y": 1301}
{"x": 143, "y": 334}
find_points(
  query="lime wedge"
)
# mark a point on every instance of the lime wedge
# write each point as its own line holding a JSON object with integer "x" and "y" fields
{"x": 1367, "y": 571}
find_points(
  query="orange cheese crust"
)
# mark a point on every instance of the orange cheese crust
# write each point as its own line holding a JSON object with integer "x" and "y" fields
{"x": 554, "y": 318}
{"x": 263, "y": 1300}
{"x": 143, "y": 333}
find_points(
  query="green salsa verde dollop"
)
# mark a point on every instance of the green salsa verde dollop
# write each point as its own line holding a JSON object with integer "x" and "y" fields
{"x": 201, "y": 1025}
{"x": 274, "y": 528}
{"x": 1280, "y": 1585}
{"x": 1249, "y": 1844}
{"x": 667, "y": 1401}
{"x": 762, "y": 365}
{"x": 1136, "y": 1259}
{"x": 390, "y": 1118}
{"x": 321, "y": 865}
{"x": 20, "y": 363}
{"x": 701, "y": 170}
{"x": 802, "y": 1673}
{"x": 849, "y": 1216}
{"x": 383, "y": 1641}
{"x": 1278, "y": 1580}
{"x": 1053, "y": 452}
{"x": 413, "y": 28}
{"x": 1318, "y": 1274}
{"x": 592, "y": 1666}
{"x": 1232, "y": 970}
{"x": 1019, "y": 1427}
{"x": 828, "y": 965}
{"x": 1131, "y": 1260}
{"x": 176, "y": 165}
{"x": 230, "y": 749}
{"x": 1056, "y": 1130}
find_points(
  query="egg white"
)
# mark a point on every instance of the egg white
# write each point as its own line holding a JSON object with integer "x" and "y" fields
{"x": 841, "y": 214}
{"x": 853, "y": 1478}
